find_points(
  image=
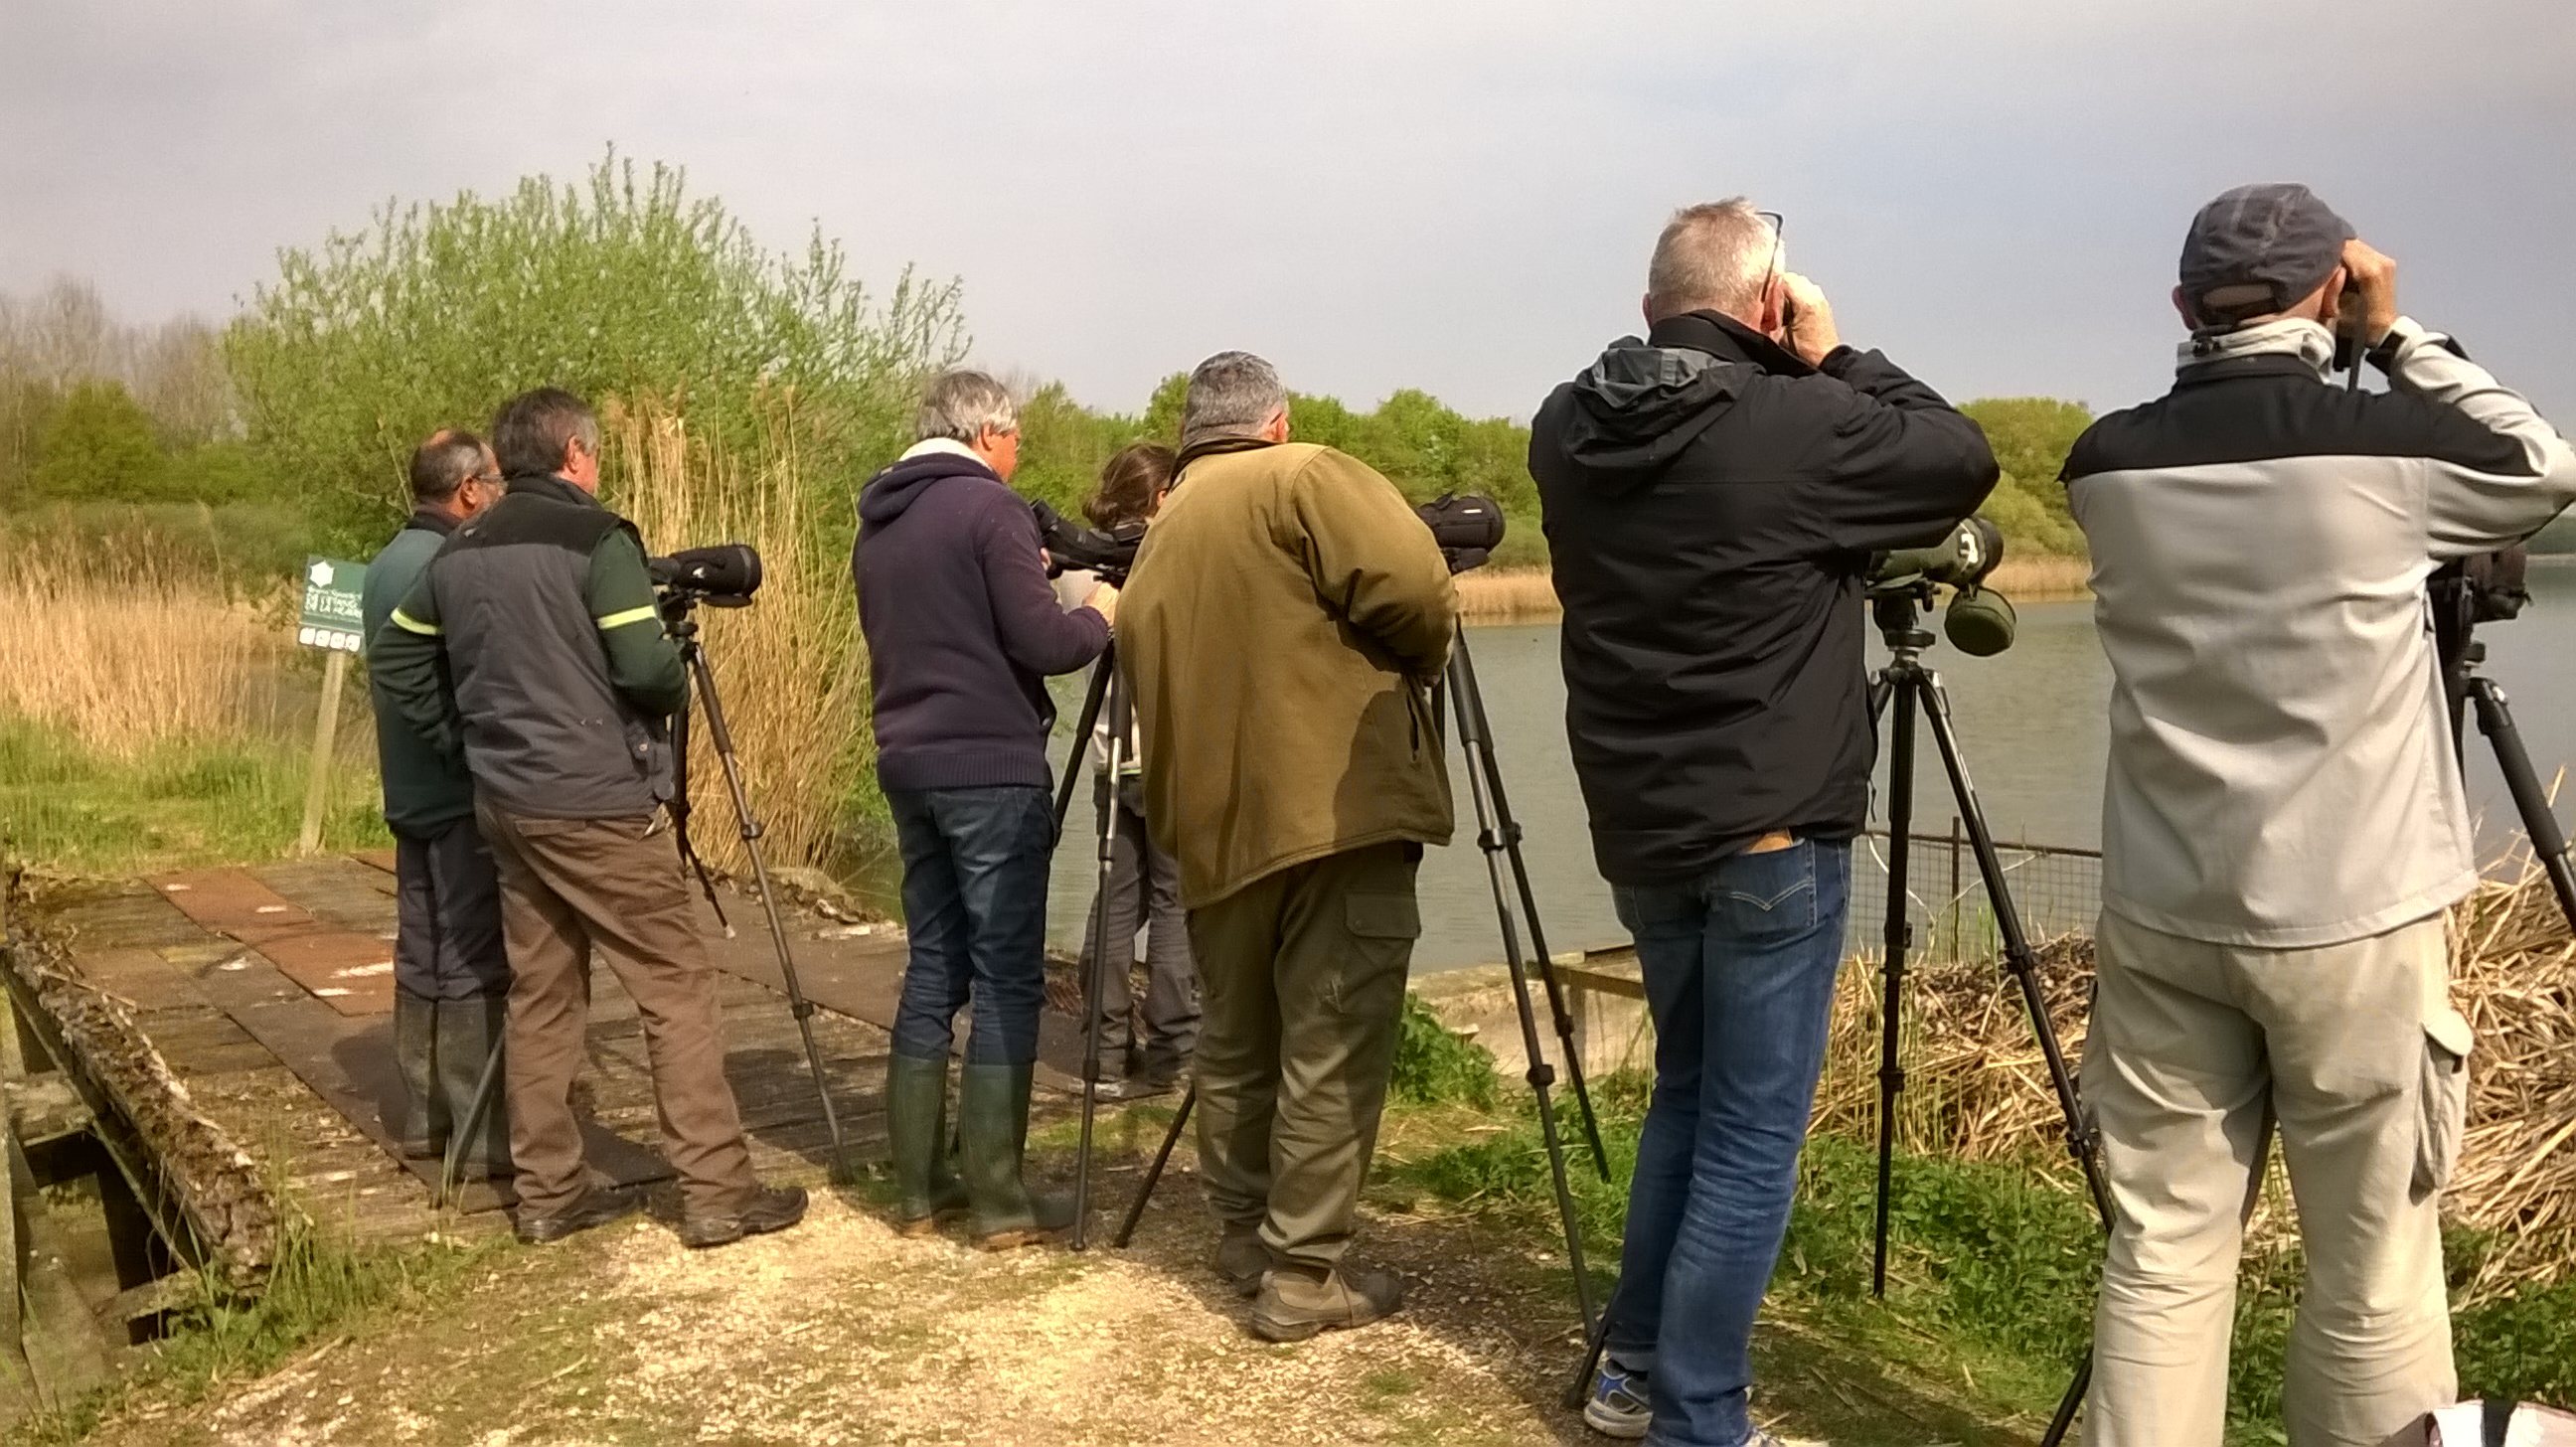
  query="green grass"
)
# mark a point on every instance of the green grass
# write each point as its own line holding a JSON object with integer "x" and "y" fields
{"x": 315, "y": 1291}
{"x": 1993, "y": 1265}
{"x": 71, "y": 809}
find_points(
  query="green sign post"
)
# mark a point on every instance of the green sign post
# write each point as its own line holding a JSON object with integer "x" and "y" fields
{"x": 331, "y": 620}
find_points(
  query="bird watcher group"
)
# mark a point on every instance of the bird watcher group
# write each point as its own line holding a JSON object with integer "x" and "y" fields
{"x": 2283, "y": 821}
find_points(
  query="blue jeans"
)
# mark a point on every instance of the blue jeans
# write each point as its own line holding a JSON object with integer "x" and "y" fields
{"x": 974, "y": 900}
{"x": 1739, "y": 968}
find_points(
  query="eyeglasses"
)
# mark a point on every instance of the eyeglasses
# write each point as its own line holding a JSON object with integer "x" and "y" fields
{"x": 1779, "y": 226}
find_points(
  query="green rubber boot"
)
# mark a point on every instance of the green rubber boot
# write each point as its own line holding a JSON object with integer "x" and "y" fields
{"x": 467, "y": 1031}
{"x": 916, "y": 1101}
{"x": 420, "y": 1126}
{"x": 992, "y": 1139}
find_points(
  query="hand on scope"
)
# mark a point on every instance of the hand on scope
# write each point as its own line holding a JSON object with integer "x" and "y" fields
{"x": 2369, "y": 297}
{"x": 1103, "y": 600}
{"x": 1810, "y": 320}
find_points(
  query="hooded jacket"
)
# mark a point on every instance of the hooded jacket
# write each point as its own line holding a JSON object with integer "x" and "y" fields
{"x": 962, "y": 628}
{"x": 1286, "y": 617}
{"x": 2280, "y": 772}
{"x": 1711, "y": 506}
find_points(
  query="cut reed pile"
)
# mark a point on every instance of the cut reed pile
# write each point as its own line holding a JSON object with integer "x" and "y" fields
{"x": 1976, "y": 1087}
{"x": 791, "y": 668}
{"x": 128, "y": 650}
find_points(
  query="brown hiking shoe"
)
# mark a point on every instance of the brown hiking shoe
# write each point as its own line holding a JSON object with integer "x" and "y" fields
{"x": 1295, "y": 1306}
{"x": 774, "y": 1208}
{"x": 1241, "y": 1259}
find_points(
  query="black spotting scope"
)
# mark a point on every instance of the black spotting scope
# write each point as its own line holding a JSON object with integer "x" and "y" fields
{"x": 1979, "y": 620}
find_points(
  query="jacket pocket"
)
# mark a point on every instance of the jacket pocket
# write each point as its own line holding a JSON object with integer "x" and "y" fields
{"x": 2442, "y": 1102}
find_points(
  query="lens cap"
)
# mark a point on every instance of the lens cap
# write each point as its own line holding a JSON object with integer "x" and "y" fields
{"x": 1979, "y": 622}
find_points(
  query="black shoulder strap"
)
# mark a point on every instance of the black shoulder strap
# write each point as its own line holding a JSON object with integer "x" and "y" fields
{"x": 2495, "y": 1421}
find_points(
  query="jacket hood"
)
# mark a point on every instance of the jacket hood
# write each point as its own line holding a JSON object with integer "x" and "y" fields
{"x": 1646, "y": 399}
{"x": 2292, "y": 338}
{"x": 890, "y": 493}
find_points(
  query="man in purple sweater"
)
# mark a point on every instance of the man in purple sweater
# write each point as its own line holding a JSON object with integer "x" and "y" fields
{"x": 962, "y": 629}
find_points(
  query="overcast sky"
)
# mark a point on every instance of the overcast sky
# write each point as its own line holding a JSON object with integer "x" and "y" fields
{"x": 1453, "y": 196}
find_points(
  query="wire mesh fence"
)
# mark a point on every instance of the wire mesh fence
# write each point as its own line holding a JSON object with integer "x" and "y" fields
{"x": 2055, "y": 891}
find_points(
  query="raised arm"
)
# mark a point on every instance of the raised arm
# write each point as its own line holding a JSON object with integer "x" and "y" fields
{"x": 643, "y": 663}
{"x": 1037, "y": 633}
{"x": 1373, "y": 561}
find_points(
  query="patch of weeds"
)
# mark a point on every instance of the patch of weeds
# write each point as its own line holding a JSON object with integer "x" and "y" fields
{"x": 1386, "y": 1386}
{"x": 1435, "y": 1064}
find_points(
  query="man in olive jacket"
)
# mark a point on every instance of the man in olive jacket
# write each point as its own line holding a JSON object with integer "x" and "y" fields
{"x": 1284, "y": 622}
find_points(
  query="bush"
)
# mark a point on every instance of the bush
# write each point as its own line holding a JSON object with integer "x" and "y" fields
{"x": 98, "y": 445}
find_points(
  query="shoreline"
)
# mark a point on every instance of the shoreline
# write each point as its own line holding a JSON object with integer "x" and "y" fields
{"x": 1525, "y": 595}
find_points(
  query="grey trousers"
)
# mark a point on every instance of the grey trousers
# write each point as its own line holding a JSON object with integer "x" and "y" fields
{"x": 1144, "y": 891}
{"x": 447, "y": 914}
{"x": 2196, "y": 1051}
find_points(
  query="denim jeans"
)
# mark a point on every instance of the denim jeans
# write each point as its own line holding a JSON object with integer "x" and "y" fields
{"x": 974, "y": 901}
{"x": 1739, "y": 968}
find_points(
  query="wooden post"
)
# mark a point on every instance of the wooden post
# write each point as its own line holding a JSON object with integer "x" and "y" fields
{"x": 326, "y": 728}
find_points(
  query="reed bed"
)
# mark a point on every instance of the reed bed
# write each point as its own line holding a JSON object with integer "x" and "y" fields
{"x": 1976, "y": 1086}
{"x": 791, "y": 668}
{"x": 128, "y": 650}
{"x": 1517, "y": 595}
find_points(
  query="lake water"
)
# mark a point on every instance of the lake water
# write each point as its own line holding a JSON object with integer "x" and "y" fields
{"x": 2031, "y": 723}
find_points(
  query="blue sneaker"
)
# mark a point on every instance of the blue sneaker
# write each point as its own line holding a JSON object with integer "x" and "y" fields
{"x": 1618, "y": 1406}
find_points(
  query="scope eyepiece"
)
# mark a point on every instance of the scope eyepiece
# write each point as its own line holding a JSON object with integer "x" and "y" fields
{"x": 1467, "y": 528}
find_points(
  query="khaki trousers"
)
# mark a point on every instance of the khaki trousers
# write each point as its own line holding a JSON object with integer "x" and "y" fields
{"x": 1302, "y": 973}
{"x": 570, "y": 884}
{"x": 2196, "y": 1051}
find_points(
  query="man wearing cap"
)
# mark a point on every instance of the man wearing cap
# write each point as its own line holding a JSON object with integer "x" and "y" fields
{"x": 2282, "y": 823}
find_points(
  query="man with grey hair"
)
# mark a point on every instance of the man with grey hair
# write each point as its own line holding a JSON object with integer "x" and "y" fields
{"x": 962, "y": 631}
{"x": 1285, "y": 620}
{"x": 1713, "y": 493}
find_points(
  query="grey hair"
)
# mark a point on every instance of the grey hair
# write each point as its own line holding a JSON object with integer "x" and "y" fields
{"x": 1716, "y": 256}
{"x": 1232, "y": 394}
{"x": 963, "y": 405}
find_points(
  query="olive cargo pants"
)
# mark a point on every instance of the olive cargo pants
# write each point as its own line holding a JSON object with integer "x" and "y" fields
{"x": 2196, "y": 1050}
{"x": 1303, "y": 974}
{"x": 570, "y": 884}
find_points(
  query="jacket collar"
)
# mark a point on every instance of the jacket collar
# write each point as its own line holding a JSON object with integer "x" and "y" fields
{"x": 1725, "y": 338}
{"x": 2291, "y": 346}
{"x": 430, "y": 519}
{"x": 935, "y": 446}
{"x": 547, "y": 485}
{"x": 1212, "y": 446}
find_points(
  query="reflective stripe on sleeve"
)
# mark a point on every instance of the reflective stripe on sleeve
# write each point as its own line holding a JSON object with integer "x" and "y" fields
{"x": 410, "y": 624}
{"x": 620, "y": 620}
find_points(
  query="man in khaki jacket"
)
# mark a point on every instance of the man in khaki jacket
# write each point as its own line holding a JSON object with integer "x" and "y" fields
{"x": 1285, "y": 620}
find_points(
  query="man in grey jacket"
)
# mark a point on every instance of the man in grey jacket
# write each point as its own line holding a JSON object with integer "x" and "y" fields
{"x": 2282, "y": 821}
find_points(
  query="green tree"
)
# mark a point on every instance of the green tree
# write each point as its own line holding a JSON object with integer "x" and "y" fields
{"x": 2031, "y": 436}
{"x": 98, "y": 445}
{"x": 623, "y": 286}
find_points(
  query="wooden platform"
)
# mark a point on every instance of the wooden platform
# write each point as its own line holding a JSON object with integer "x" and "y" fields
{"x": 269, "y": 991}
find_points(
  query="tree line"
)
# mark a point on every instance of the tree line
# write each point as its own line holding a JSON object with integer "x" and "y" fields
{"x": 624, "y": 285}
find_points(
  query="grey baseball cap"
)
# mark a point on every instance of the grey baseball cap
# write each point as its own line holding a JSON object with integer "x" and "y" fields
{"x": 2258, "y": 249}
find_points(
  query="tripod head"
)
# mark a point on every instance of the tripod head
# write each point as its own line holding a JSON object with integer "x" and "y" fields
{"x": 1899, "y": 611}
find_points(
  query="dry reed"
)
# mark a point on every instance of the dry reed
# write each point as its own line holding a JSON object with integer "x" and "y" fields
{"x": 790, "y": 668}
{"x": 1976, "y": 1087}
{"x": 1514, "y": 595}
{"x": 128, "y": 652}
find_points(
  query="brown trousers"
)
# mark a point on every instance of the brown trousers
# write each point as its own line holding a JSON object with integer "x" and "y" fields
{"x": 569, "y": 884}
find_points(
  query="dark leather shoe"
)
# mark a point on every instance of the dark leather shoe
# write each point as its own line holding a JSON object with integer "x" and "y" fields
{"x": 774, "y": 1208}
{"x": 597, "y": 1207}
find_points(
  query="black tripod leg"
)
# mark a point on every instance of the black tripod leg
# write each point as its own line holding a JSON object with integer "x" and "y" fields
{"x": 1154, "y": 1173}
{"x": 1095, "y": 982}
{"x": 679, "y": 805}
{"x": 2023, "y": 964}
{"x": 1902, "y": 691}
{"x": 1470, "y": 720}
{"x": 1471, "y": 698}
{"x": 798, "y": 1005}
{"x": 464, "y": 1132}
{"x": 1091, "y": 701}
{"x": 2530, "y": 799}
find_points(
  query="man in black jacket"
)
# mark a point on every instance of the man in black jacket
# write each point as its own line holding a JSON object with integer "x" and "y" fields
{"x": 1713, "y": 494}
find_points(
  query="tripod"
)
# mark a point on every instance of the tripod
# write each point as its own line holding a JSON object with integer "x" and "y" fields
{"x": 1498, "y": 836}
{"x": 678, "y": 611}
{"x": 1910, "y": 689}
{"x": 1109, "y": 693}
{"x": 2456, "y": 613}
